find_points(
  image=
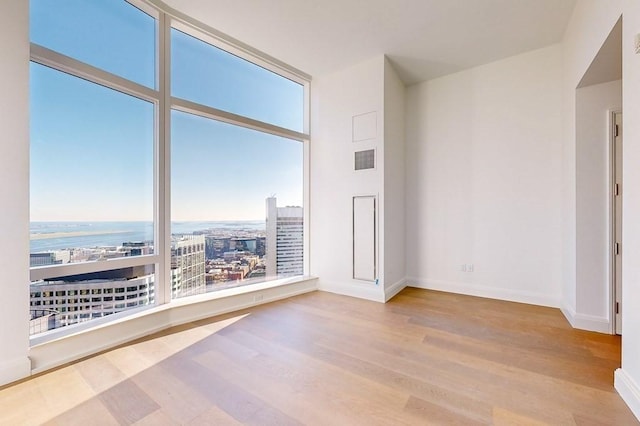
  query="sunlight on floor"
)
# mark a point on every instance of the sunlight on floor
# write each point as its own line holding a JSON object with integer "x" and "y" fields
{"x": 45, "y": 397}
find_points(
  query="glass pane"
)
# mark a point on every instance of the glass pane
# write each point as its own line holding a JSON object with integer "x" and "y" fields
{"x": 62, "y": 301}
{"x": 210, "y": 76}
{"x": 91, "y": 176}
{"x": 225, "y": 181}
{"x": 111, "y": 35}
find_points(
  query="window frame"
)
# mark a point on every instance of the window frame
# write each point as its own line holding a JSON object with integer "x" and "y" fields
{"x": 166, "y": 19}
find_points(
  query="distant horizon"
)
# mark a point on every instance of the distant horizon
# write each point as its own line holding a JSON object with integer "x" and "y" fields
{"x": 58, "y": 235}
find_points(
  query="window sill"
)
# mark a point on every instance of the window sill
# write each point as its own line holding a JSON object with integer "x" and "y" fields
{"x": 57, "y": 347}
{"x": 234, "y": 291}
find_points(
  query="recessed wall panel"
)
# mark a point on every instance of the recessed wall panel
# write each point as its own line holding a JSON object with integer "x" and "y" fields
{"x": 364, "y": 238}
{"x": 365, "y": 126}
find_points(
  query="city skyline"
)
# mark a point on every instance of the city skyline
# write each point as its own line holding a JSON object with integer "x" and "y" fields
{"x": 202, "y": 261}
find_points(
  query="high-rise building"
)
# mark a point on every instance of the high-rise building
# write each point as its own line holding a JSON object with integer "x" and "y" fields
{"x": 243, "y": 244}
{"x": 215, "y": 247}
{"x": 50, "y": 258}
{"x": 187, "y": 254}
{"x": 261, "y": 246}
{"x": 43, "y": 259}
{"x": 62, "y": 301}
{"x": 284, "y": 242}
{"x": 137, "y": 248}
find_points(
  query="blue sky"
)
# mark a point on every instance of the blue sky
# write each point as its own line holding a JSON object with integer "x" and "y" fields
{"x": 92, "y": 147}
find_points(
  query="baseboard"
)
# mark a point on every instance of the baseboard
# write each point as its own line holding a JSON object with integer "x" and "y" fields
{"x": 486, "y": 291}
{"x": 586, "y": 322}
{"x": 628, "y": 390}
{"x": 51, "y": 354}
{"x": 364, "y": 290}
{"x": 192, "y": 312}
{"x": 394, "y": 289}
{"x": 14, "y": 370}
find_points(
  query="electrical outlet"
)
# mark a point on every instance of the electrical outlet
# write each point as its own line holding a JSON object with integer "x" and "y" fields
{"x": 463, "y": 268}
{"x": 258, "y": 297}
{"x": 469, "y": 267}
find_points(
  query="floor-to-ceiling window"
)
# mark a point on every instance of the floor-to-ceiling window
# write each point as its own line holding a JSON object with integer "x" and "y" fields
{"x": 165, "y": 162}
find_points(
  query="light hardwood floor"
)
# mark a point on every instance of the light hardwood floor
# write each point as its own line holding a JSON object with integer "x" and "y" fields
{"x": 423, "y": 358}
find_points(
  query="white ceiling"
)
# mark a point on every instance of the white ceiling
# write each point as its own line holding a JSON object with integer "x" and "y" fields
{"x": 424, "y": 39}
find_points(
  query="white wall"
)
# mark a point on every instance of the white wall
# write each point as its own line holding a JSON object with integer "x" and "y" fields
{"x": 628, "y": 378}
{"x": 335, "y": 99}
{"x": 394, "y": 182}
{"x": 593, "y": 106}
{"x": 14, "y": 190}
{"x": 483, "y": 180}
{"x": 372, "y": 86}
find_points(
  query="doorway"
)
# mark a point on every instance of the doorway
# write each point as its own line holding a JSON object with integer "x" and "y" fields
{"x": 599, "y": 191}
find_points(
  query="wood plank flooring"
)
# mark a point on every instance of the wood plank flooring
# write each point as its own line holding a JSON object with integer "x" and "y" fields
{"x": 423, "y": 358}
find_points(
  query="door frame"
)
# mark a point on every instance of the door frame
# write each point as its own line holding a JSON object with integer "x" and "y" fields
{"x": 613, "y": 291}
